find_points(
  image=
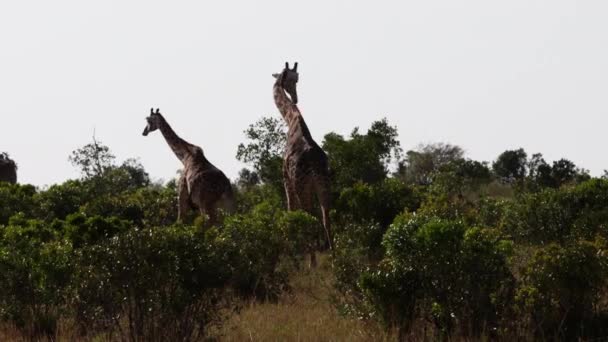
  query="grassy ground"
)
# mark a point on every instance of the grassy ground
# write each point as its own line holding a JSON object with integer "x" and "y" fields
{"x": 305, "y": 314}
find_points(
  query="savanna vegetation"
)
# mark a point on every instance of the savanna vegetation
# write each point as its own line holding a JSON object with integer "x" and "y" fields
{"x": 429, "y": 245}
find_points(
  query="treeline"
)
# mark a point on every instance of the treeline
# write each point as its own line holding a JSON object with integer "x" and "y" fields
{"x": 427, "y": 241}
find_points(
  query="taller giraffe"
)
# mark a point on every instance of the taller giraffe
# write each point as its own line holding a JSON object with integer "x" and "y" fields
{"x": 305, "y": 165}
{"x": 201, "y": 184}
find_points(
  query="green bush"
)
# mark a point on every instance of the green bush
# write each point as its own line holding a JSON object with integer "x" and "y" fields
{"x": 82, "y": 230}
{"x": 14, "y": 199}
{"x": 300, "y": 231}
{"x": 36, "y": 272}
{"x": 376, "y": 203}
{"x": 254, "y": 247}
{"x": 151, "y": 284}
{"x": 560, "y": 215}
{"x": 560, "y": 291}
{"x": 442, "y": 272}
{"x": 60, "y": 200}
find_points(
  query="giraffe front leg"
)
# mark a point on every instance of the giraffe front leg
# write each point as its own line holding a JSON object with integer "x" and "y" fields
{"x": 183, "y": 199}
{"x": 322, "y": 188}
{"x": 290, "y": 192}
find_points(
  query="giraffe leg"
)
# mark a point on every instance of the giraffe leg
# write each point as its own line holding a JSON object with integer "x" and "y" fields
{"x": 322, "y": 188}
{"x": 290, "y": 191}
{"x": 183, "y": 199}
{"x": 305, "y": 197}
{"x": 212, "y": 212}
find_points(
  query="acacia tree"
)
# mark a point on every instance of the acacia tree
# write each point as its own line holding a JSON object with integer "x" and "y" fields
{"x": 511, "y": 165}
{"x": 364, "y": 157}
{"x": 264, "y": 150}
{"x": 92, "y": 159}
{"x": 420, "y": 165}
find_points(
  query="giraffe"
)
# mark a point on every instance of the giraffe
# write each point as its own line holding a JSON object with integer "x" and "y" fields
{"x": 305, "y": 165}
{"x": 8, "y": 169}
{"x": 201, "y": 184}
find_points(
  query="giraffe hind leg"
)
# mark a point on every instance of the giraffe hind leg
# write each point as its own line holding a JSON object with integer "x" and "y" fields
{"x": 183, "y": 199}
{"x": 322, "y": 189}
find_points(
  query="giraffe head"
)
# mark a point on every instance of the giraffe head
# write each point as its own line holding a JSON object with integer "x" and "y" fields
{"x": 288, "y": 79}
{"x": 153, "y": 122}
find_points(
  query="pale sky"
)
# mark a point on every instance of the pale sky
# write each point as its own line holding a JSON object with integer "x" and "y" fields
{"x": 485, "y": 75}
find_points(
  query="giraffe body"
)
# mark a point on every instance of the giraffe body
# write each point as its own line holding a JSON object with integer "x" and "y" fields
{"x": 201, "y": 185}
{"x": 305, "y": 164}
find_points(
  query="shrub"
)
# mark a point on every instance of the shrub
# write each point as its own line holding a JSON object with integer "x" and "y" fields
{"x": 82, "y": 230}
{"x": 560, "y": 215}
{"x": 440, "y": 271}
{"x": 376, "y": 203}
{"x": 253, "y": 245}
{"x": 300, "y": 232}
{"x": 151, "y": 284}
{"x": 560, "y": 288}
{"x": 14, "y": 199}
{"x": 36, "y": 272}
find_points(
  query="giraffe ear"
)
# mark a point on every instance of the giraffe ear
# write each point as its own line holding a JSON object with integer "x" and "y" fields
{"x": 276, "y": 75}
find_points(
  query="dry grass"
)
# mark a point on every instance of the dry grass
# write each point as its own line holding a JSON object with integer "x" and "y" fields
{"x": 305, "y": 314}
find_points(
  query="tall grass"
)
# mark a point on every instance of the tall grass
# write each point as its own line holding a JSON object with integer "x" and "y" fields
{"x": 306, "y": 313}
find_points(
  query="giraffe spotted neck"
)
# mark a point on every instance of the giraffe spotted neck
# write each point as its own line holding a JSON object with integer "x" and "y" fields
{"x": 286, "y": 107}
{"x": 180, "y": 147}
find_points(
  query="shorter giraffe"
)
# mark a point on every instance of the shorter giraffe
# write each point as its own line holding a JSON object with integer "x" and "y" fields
{"x": 305, "y": 165}
{"x": 201, "y": 185}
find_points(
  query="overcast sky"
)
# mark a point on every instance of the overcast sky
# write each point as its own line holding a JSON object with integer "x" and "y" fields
{"x": 485, "y": 75}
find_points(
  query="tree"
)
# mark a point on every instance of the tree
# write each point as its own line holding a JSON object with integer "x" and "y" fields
{"x": 92, "y": 159}
{"x": 420, "y": 164}
{"x": 510, "y": 166}
{"x": 605, "y": 175}
{"x": 265, "y": 148}
{"x": 563, "y": 171}
{"x": 247, "y": 179}
{"x": 8, "y": 169}
{"x": 364, "y": 157}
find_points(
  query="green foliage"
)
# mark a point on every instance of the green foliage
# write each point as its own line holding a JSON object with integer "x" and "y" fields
{"x": 511, "y": 165}
{"x": 84, "y": 231}
{"x": 560, "y": 215}
{"x": 93, "y": 159}
{"x": 60, "y": 200}
{"x": 267, "y": 138}
{"x": 421, "y": 164}
{"x": 563, "y": 171}
{"x": 15, "y": 198}
{"x": 300, "y": 231}
{"x": 376, "y": 203}
{"x": 36, "y": 271}
{"x": 254, "y": 245}
{"x": 165, "y": 282}
{"x": 440, "y": 271}
{"x": 363, "y": 157}
{"x": 560, "y": 287}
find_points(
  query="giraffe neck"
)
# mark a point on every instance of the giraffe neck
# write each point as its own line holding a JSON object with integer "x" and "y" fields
{"x": 179, "y": 146}
{"x": 288, "y": 109}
